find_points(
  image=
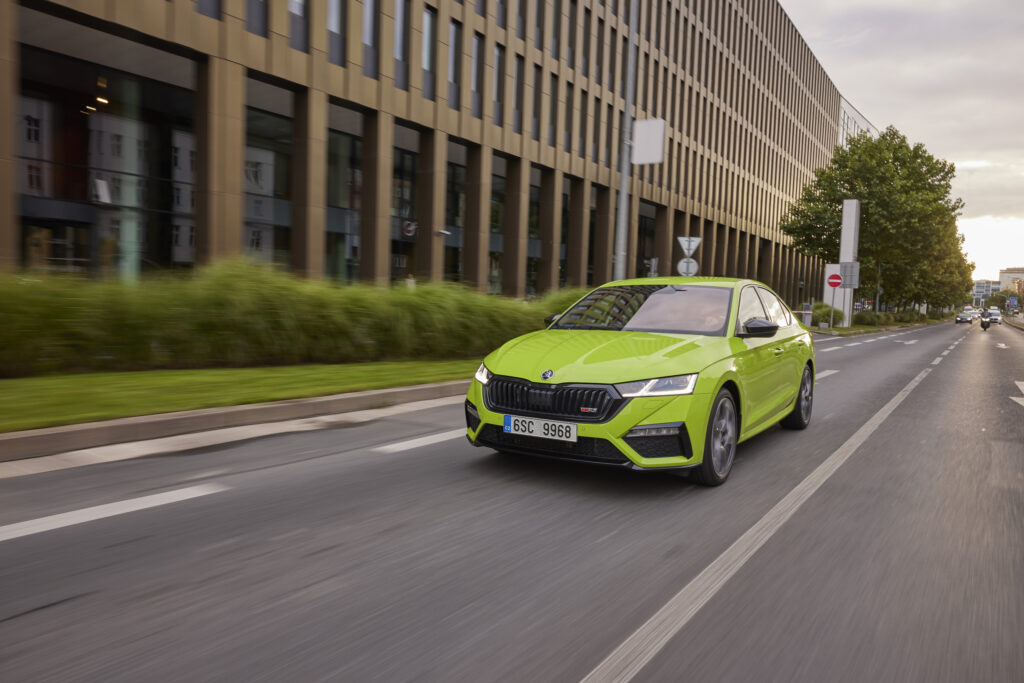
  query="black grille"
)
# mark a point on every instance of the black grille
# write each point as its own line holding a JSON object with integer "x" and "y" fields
{"x": 575, "y": 402}
{"x": 472, "y": 417}
{"x": 669, "y": 446}
{"x": 586, "y": 449}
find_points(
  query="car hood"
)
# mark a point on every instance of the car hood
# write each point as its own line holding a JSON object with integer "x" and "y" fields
{"x": 604, "y": 357}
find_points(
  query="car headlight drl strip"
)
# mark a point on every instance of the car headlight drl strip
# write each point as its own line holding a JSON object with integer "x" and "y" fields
{"x": 662, "y": 386}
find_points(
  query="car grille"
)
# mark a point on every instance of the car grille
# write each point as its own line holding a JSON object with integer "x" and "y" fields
{"x": 586, "y": 449}
{"x": 578, "y": 403}
{"x": 668, "y": 446}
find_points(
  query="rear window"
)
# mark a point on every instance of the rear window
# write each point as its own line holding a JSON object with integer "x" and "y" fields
{"x": 674, "y": 309}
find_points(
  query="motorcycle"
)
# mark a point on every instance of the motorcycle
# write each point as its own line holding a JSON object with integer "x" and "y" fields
{"x": 985, "y": 323}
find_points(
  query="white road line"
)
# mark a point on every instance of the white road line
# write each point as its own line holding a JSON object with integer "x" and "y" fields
{"x": 950, "y": 348}
{"x": 422, "y": 441}
{"x": 945, "y": 353}
{"x": 868, "y": 341}
{"x": 37, "y": 526}
{"x": 912, "y": 341}
{"x": 854, "y": 344}
{"x": 834, "y": 348}
{"x": 629, "y": 658}
{"x": 825, "y": 373}
{"x": 937, "y": 360}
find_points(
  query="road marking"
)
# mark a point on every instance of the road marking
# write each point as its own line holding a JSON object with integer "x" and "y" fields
{"x": 945, "y": 353}
{"x": 912, "y": 341}
{"x": 1018, "y": 399}
{"x": 825, "y": 373}
{"x": 629, "y": 658}
{"x": 854, "y": 344}
{"x": 1002, "y": 346}
{"x": 422, "y": 441}
{"x": 37, "y": 526}
{"x": 868, "y": 341}
{"x": 950, "y": 348}
{"x": 937, "y": 360}
{"x": 834, "y": 348}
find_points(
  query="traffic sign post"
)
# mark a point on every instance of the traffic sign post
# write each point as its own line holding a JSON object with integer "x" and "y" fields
{"x": 687, "y": 266}
{"x": 835, "y": 281}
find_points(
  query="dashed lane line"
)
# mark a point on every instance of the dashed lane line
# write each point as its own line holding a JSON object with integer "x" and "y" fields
{"x": 421, "y": 441}
{"x": 825, "y": 373}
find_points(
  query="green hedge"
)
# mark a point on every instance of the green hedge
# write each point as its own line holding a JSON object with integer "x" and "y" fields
{"x": 822, "y": 313}
{"x": 237, "y": 314}
{"x": 872, "y": 318}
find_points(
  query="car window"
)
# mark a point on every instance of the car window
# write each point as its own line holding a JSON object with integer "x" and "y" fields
{"x": 779, "y": 313}
{"x": 749, "y": 307}
{"x": 679, "y": 309}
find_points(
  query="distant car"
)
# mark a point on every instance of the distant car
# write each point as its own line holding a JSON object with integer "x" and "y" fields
{"x": 650, "y": 374}
{"x": 995, "y": 317}
{"x": 965, "y": 317}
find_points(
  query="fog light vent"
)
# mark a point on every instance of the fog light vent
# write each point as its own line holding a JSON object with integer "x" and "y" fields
{"x": 472, "y": 417}
{"x": 660, "y": 441}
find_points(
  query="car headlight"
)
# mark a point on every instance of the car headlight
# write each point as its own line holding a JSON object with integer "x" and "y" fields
{"x": 663, "y": 386}
{"x": 483, "y": 375}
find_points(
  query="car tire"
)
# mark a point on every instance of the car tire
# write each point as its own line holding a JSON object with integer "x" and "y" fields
{"x": 801, "y": 415}
{"x": 719, "y": 441}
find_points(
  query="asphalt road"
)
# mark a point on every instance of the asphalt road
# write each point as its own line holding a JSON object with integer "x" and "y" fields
{"x": 884, "y": 543}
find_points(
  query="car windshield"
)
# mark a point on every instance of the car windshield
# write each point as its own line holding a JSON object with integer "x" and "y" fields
{"x": 676, "y": 309}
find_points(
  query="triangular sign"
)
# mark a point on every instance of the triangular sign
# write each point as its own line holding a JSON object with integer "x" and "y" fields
{"x": 689, "y": 245}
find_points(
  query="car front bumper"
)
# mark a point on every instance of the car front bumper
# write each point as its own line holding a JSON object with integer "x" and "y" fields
{"x": 619, "y": 441}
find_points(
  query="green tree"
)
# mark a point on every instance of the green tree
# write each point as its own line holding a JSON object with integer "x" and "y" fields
{"x": 999, "y": 298}
{"x": 909, "y": 242}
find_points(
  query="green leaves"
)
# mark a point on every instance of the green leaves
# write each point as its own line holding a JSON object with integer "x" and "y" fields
{"x": 908, "y": 236}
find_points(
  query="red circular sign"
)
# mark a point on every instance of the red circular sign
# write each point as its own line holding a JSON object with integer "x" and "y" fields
{"x": 835, "y": 279}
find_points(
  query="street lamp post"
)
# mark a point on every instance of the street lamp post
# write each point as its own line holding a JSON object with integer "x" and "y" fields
{"x": 619, "y": 259}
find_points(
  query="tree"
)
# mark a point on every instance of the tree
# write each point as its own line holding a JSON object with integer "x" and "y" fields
{"x": 909, "y": 242}
{"x": 999, "y": 298}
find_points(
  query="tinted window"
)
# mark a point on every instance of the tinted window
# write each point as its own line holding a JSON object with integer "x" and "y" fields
{"x": 779, "y": 313}
{"x": 676, "y": 309}
{"x": 749, "y": 308}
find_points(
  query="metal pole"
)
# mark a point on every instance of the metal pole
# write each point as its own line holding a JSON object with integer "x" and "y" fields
{"x": 832, "y": 310}
{"x": 619, "y": 259}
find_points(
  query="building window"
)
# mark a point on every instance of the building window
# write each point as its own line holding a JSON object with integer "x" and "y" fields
{"x": 538, "y": 35}
{"x": 538, "y": 93}
{"x": 402, "y": 36}
{"x": 254, "y": 173}
{"x": 572, "y": 34}
{"x": 255, "y": 240}
{"x": 256, "y": 17}
{"x": 115, "y": 189}
{"x": 499, "y": 85}
{"x": 586, "y": 43}
{"x": 32, "y": 126}
{"x": 521, "y": 19}
{"x": 192, "y": 160}
{"x": 502, "y": 10}
{"x": 428, "y": 56}
{"x": 454, "y": 64}
{"x": 478, "y": 75}
{"x": 35, "y": 178}
{"x": 517, "y": 84}
{"x": 371, "y": 38}
{"x": 337, "y": 23}
{"x": 568, "y": 117}
{"x": 608, "y": 137}
{"x": 553, "y": 113}
{"x": 481, "y": 7}
{"x": 175, "y": 152}
{"x": 115, "y": 144}
{"x": 599, "y": 62}
{"x": 404, "y": 184}
{"x": 210, "y": 8}
{"x": 556, "y": 30}
{"x": 596, "y": 138}
{"x": 455, "y": 205}
{"x": 298, "y": 36}
{"x": 581, "y": 138}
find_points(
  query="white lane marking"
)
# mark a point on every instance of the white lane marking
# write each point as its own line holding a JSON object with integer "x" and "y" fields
{"x": 834, "y": 348}
{"x": 854, "y": 344}
{"x": 825, "y": 373}
{"x": 36, "y": 526}
{"x": 1002, "y": 346}
{"x": 629, "y": 658}
{"x": 868, "y": 341}
{"x": 1018, "y": 399}
{"x": 937, "y": 360}
{"x": 912, "y": 341}
{"x": 422, "y": 441}
{"x": 945, "y": 353}
{"x": 950, "y": 348}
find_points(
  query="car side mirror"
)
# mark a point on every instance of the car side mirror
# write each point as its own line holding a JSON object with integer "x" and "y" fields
{"x": 758, "y": 327}
{"x": 552, "y": 318}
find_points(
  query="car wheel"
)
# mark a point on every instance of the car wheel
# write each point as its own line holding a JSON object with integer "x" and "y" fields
{"x": 719, "y": 441}
{"x": 801, "y": 415}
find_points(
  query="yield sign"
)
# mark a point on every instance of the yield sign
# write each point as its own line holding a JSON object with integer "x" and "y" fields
{"x": 1018, "y": 399}
{"x": 689, "y": 245}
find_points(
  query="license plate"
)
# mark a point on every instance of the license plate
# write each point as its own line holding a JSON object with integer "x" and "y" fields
{"x": 545, "y": 429}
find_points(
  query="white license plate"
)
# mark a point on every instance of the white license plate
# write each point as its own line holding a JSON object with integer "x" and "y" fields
{"x": 545, "y": 429}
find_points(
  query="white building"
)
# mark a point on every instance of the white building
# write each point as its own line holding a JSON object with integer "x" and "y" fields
{"x": 1008, "y": 276}
{"x": 983, "y": 289}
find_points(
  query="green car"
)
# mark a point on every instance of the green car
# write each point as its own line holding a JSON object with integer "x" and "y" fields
{"x": 649, "y": 374}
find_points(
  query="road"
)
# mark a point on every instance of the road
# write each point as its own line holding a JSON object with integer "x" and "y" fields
{"x": 884, "y": 543}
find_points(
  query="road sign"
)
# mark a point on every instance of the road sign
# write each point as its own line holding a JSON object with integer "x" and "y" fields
{"x": 689, "y": 245}
{"x": 687, "y": 266}
{"x": 850, "y": 270}
{"x": 835, "y": 280}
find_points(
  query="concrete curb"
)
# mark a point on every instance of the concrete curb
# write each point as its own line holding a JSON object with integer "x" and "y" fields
{"x": 33, "y": 443}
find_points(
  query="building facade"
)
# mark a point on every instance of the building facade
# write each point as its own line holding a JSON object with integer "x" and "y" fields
{"x": 475, "y": 141}
{"x": 1011, "y": 278}
{"x": 983, "y": 289}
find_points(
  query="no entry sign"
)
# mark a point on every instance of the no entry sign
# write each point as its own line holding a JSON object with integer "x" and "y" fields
{"x": 835, "y": 280}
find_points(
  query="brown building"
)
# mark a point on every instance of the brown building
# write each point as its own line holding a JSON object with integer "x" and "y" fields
{"x": 474, "y": 141}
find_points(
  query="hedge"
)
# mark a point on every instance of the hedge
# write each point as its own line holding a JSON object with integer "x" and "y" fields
{"x": 822, "y": 313}
{"x": 237, "y": 314}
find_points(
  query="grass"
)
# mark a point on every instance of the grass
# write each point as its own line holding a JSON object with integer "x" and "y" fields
{"x": 34, "y": 402}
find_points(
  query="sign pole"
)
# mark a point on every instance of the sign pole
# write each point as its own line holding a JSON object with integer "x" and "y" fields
{"x": 619, "y": 259}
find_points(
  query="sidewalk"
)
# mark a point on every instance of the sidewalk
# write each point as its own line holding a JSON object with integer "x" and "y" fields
{"x": 33, "y": 443}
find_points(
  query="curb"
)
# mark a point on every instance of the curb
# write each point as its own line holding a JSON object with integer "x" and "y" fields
{"x": 33, "y": 443}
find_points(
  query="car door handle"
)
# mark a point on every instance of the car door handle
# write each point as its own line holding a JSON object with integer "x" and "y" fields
{"x": 777, "y": 350}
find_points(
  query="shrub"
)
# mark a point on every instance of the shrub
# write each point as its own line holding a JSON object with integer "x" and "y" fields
{"x": 822, "y": 313}
{"x": 865, "y": 318}
{"x": 239, "y": 314}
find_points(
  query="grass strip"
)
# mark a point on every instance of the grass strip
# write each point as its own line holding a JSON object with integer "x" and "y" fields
{"x": 49, "y": 401}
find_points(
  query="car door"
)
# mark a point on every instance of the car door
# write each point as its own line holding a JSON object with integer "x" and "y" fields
{"x": 755, "y": 363}
{"x": 787, "y": 350}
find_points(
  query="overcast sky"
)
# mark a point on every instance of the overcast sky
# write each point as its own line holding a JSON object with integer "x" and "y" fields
{"x": 948, "y": 74}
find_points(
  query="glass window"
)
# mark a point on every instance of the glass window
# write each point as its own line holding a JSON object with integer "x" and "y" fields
{"x": 428, "y": 56}
{"x": 572, "y": 34}
{"x": 749, "y": 308}
{"x": 538, "y": 36}
{"x": 538, "y": 97}
{"x": 581, "y": 138}
{"x": 402, "y": 36}
{"x": 521, "y": 19}
{"x": 210, "y": 8}
{"x": 779, "y": 311}
{"x": 568, "y": 117}
{"x": 499, "y": 85}
{"x": 518, "y": 77}
{"x": 298, "y": 36}
{"x": 556, "y": 30}
{"x": 454, "y": 64}
{"x": 671, "y": 309}
{"x": 553, "y": 114}
{"x": 371, "y": 38}
{"x": 585, "y": 60}
{"x": 478, "y": 75}
{"x": 337, "y": 22}
{"x": 404, "y": 184}
{"x": 256, "y": 17}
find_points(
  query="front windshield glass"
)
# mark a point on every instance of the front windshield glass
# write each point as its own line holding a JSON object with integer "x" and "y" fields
{"x": 675, "y": 309}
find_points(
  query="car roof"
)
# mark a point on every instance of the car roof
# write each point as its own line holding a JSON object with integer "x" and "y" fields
{"x": 697, "y": 280}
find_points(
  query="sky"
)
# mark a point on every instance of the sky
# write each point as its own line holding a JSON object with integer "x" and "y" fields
{"x": 950, "y": 75}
